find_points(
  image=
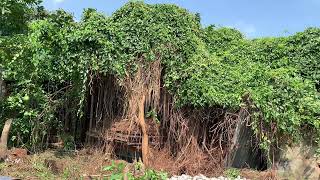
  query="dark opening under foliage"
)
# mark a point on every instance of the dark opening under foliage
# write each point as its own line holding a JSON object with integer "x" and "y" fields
{"x": 202, "y": 67}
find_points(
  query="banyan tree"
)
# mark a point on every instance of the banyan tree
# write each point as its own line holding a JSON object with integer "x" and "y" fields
{"x": 151, "y": 77}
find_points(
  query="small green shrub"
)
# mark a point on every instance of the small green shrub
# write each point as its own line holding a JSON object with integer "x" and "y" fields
{"x": 68, "y": 142}
{"x": 117, "y": 172}
{"x": 232, "y": 173}
{"x": 153, "y": 115}
{"x": 154, "y": 175}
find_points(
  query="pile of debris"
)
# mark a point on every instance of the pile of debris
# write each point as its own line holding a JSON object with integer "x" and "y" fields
{"x": 126, "y": 138}
{"x": 128, "y": 133}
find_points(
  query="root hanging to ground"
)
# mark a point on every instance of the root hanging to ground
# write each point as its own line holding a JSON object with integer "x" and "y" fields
{"x": 212, "y": 127}
{"x": 112, "y": 100}
{"x": 4, "y": 138}
{"x": 145, "y": 139}
{"x": 117, "y": 110}
{"x": 209, "y": 131}
{"x": 105, "y": 106}
{"x": 143, "y": 94}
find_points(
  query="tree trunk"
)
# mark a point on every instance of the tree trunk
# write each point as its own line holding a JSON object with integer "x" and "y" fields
{"x": 142, "y": 124}
{"x": 4, "y": 139}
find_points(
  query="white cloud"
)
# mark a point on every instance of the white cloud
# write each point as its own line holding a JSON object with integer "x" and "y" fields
{"x": 58, "y": 1}
{"x": 247, "y": 28}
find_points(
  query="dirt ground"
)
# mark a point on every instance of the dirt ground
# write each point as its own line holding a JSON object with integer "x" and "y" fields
{"x": 54, "y": 164}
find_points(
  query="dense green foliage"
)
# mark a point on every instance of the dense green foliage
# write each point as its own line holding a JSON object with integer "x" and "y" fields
{"x": 203, "y": 67}
{"x": 15, "y": 14}
{"x": 270, "y": 70}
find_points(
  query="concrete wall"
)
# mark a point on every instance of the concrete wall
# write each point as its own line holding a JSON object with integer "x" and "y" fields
{"x": 244, "y": 153}
{"x": 299, "y": 162}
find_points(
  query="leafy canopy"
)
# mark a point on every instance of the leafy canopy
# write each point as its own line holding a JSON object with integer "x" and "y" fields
{"x": 203, "y": 67}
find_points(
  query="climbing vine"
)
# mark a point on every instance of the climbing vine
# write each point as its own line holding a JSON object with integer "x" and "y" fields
{"x": 54, "y": 62}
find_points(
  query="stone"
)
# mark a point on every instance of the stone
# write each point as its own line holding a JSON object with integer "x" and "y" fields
{"x": 5, "y": 178}
{"x": 200, "y": 177}
{"x": 298, "y": 162}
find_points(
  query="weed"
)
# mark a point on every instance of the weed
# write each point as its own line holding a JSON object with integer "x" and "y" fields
{"x": 154, "y": 175}
{"x": 153, "y": 115}
{"x": 3, "y": 166}
{"x": 117, "y": 172}
{"x": 68, "y": 142}
{"x": 232, "y": 173}
{"x": 41, "y": 170}
{"x": 66, "y": 174}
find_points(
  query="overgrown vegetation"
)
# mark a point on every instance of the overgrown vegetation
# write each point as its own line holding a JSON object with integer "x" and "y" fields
{"x": 118, "y": 172}
{"x": 49, "y": 70}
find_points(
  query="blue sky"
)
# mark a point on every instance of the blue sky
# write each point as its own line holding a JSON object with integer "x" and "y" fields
{"x": 255, "y": 18}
